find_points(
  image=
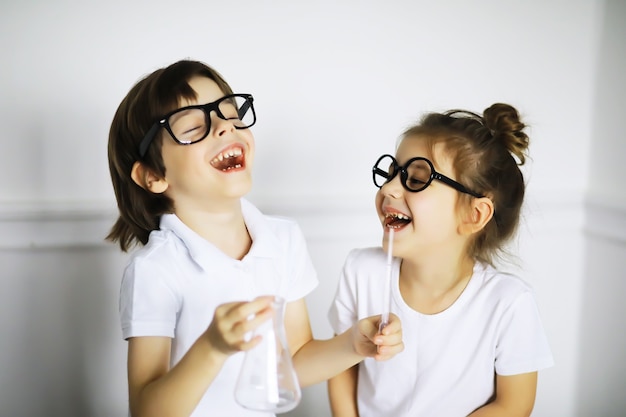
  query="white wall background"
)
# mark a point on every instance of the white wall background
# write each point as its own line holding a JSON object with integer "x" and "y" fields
{"x": 335, "y": 82}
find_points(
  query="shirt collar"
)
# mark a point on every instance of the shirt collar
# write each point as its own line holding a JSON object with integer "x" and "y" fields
{"x": 265, "y": 243}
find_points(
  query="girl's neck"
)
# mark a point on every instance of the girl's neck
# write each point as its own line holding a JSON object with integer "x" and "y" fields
{"x": 433, "y": 286}
{"x": 222, "y": 225}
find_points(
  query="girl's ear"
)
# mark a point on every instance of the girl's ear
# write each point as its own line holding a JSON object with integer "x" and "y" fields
{"x": 481, "y": 211}
{"x": 148, "y": 180}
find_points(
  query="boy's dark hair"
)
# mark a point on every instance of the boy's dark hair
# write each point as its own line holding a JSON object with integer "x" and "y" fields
{"x": 486, "y": 153}
{"x": 149, "y": 99}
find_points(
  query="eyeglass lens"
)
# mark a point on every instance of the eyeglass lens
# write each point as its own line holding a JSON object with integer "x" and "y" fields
{"x": 415, "y": 177}
{"x": 193, "y": 124}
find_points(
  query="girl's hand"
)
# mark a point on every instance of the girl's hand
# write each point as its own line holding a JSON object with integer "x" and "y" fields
{"x": 381, "y": 346}
{"x": 233, "y": 323}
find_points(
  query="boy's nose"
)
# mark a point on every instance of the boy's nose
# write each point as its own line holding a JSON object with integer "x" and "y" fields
{"x": 221, "y": 126}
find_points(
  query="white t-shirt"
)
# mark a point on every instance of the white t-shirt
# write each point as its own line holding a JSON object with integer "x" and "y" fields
{"x": 450, "y": 359}
{"x": 173, "y": 284}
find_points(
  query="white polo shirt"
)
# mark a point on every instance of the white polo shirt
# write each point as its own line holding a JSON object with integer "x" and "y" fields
{"x": 172, "y": 286}
{"x": 450, "y": 359}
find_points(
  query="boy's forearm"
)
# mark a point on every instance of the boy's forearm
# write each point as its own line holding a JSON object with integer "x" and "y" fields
{"x": 178, "y": 392}
{"x": 320, "y": 360}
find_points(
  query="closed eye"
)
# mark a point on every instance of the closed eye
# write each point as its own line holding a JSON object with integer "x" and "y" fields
{"x": 416, "y": 182}
{"x": 191, "y": 130}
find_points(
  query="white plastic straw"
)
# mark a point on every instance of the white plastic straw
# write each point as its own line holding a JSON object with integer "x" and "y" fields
{"x": 384, "y": 320}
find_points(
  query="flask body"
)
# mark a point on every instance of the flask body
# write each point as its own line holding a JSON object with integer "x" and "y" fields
{"x": 267, "y": 380}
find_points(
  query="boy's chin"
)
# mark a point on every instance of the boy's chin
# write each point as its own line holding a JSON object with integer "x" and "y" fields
{"x": 241, "y": 190}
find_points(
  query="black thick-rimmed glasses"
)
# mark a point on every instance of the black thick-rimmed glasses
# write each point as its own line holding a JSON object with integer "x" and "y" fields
{"x": 191, "y": 124}
{"x": 415, "y": 175}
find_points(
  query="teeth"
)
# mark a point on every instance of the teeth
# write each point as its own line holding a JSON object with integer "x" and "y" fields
{"x": 398, "y": 216}
{"x": 228, "y": 154}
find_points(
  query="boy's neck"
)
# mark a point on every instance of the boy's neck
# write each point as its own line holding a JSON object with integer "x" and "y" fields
{"x": 222, "y": 225}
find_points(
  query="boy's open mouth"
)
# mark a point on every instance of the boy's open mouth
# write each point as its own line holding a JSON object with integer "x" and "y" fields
{"x": 229, "y": 159}
{"x": 396, "y": 220}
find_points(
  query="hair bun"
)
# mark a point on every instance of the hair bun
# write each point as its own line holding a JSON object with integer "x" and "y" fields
{"x": 504, "y": 123}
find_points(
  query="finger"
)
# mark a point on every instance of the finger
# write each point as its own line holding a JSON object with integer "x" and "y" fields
{"x": 250, "y": 316}
{"x": 242, "y": 311}
{"x": 393, "y": 326}
{"x": 384, "y": 353}
{"x": 249, "y": 344}
{"x": 230, "y": 323}
{"x": 253, "y": 321}
{"x": 224, "y": 312}
{"x": 368, "y": 327}
{"x": 389, "y": 339}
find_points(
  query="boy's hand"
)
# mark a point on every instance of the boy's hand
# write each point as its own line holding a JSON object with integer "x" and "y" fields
{"x": 381, "y": 346}
{"x": 232, "y": 324}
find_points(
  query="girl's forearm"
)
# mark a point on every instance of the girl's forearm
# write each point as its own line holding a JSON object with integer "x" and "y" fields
{"x": 342, "y": 393}
{"x": 495, "y": 409}
{"x": 320, "y": 360}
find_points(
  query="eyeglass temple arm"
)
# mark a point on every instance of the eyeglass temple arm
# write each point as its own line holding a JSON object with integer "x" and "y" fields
{"x": 244, "y": 109}
{"x": 455, "y": 185}
{"x": 147, "y": 140}
{"x": 380, "y": 172}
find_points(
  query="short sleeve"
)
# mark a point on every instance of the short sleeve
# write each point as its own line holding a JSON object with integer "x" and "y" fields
{"x": 343, "y": 310}
{"x": 302, "y": 274}
{"x": 148, "y": 305}
{"x": 522, "y": 344}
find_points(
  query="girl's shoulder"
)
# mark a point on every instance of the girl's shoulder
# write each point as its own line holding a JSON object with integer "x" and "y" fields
{"x": 372, "y": 253}
{"x": 504, "y": 284}
{"x": 366, "y": 259}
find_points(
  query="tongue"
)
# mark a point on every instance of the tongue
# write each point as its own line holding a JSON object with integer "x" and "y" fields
{"x": 396, "y": 222}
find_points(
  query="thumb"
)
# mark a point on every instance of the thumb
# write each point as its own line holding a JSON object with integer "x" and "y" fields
{"x": 368, "y": 326}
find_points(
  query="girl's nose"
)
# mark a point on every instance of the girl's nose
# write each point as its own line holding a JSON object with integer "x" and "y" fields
{"x": 393, "y": 188}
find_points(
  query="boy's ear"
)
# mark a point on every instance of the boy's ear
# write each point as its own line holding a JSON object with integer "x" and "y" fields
{"x": 481, "y": 211}
{"x": 148, "y": 180}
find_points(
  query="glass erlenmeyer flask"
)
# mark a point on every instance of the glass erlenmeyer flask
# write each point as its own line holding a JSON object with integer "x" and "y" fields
{"x": 267, "y": 380}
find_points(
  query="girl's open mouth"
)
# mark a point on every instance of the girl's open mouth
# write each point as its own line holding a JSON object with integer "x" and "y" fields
{"x": 396, "y": 220}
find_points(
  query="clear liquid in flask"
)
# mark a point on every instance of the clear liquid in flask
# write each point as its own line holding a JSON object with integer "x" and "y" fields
{"x": 267, "y": 380}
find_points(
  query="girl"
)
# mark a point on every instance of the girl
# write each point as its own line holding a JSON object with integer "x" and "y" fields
{"x": 473, "y": 336}
{"x": 180, "y": 156}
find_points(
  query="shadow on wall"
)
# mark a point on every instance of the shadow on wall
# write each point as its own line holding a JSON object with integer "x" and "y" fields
{"x": 62, "y": 349}
{"x": 602, "y": 360}
{"x": 602, "y": 357}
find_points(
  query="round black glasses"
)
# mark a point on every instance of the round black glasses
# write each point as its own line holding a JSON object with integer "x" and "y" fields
{"x": 191, "y": 124}
{"x": 415, "y": 175}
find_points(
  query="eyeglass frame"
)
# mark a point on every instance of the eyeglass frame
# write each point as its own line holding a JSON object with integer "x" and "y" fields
{"x": 434, "y": 175}
{"x": 163, "y": 121}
